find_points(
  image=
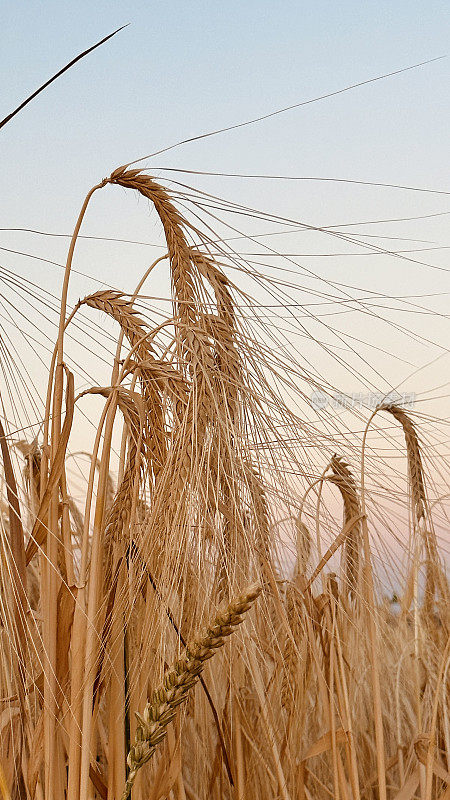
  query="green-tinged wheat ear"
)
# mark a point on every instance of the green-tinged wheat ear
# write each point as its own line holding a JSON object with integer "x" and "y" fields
{"x": 161, "y": 708}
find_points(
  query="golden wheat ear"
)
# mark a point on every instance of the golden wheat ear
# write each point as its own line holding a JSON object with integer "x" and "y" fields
{"x": 414, "y": 456}
{"x": 162, "y": 707}
{"x": 345, "y": 482}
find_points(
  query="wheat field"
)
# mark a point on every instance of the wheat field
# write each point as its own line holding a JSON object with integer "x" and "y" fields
{"x": 154, "y": 642}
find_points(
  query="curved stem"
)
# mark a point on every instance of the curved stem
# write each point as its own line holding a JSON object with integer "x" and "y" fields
{"x": 50, "y": 575}
{"x": 58, "y": 354}
{"x": 370, "y": 607}
{"x": 319, "y": 481}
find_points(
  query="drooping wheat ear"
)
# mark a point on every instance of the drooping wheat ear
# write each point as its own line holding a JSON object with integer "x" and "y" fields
{"x": 117, "y": 306}
{"x": 415, "y": 467}
{"x": 344, "y": 480}
{"x": 226, "y": 381}
{"x": 219, "y": 283}
{"x": 222, "y": 329}
{"x": 194, "y": 350}
{"x": 161, "y": 709}
{"x": 160, "y": 382}
{"x": 179, "y": 252}
{"x": 226, "y": 374}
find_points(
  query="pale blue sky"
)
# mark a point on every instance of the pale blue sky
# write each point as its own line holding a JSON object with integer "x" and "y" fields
{"x": 182, "y": 68}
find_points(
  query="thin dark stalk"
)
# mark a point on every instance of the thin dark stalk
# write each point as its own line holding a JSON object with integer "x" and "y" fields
{"x": 57, "y": 75}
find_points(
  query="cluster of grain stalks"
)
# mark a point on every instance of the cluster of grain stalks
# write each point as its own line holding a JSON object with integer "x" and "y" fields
{"x": 325, "y": 691}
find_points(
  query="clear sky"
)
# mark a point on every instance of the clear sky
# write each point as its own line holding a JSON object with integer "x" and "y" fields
{"x": 183, "y": 68}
